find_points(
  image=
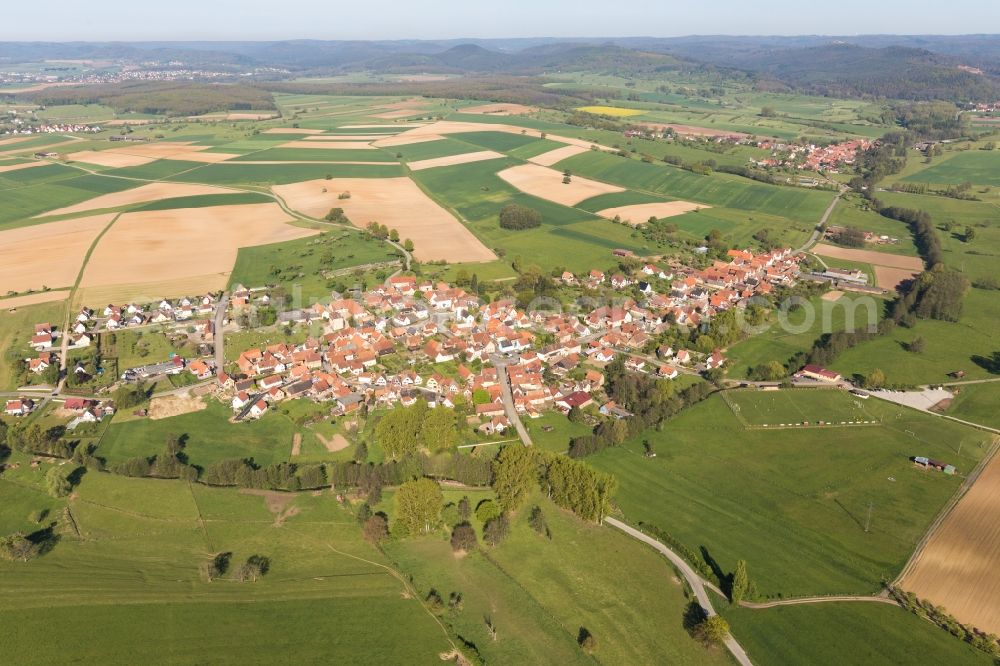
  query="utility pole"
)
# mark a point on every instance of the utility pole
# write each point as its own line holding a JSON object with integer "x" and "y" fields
{"x": 868, "y": 520}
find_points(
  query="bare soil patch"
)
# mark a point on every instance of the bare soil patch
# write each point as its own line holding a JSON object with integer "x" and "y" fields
{"x": 640, "y": 213}
{"x": 185, "y": 250}
{"x": 141, "y": 194}
{"x": 870, "y": 257}
{"x": 33, "y": 299}
{"x": 297, "y": 444}
{"x": 892, "y": 278}
{"x": 957, "y": 567}
{"x": 174, "y": 405}
{"x": 832, "y": 295}
{"x": 500, "y": 109}
{"x": 336, "y": 443}
{"x": 397, "y": 203}
{"x": 23, "y": 165}
{"x": 452, "y": 160}
{"x": 46, "y": 254}
{"x": 329, "y": 145}
{"x": 548, "y": 184}
{"x": 557, "y": 155}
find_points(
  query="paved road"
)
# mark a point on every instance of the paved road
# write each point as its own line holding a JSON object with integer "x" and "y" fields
{"x": 818, "y": 229}
{"x": 220, "y": 335}
{"x": 508, "y": 401}
{"x": 693, "y": 579}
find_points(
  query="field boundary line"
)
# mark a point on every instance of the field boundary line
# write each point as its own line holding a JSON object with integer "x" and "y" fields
{"x": 970, "y": 480}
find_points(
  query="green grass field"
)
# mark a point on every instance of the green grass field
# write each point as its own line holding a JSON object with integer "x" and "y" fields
{"x": 797, "y": 406}
{"x": 210, "y": 437}
{"x": 793, "y": 502}
{"x": 864, "y": 633}
{"x": 133, "y": 569}
{"x": 977, "y": 403}
{"x": 540, "y": 592}
{"x": 980, "y": 167}
{"x": 301, "y": 266}
{"x": 976, "y": 329}
{"x": 715, "y": 190}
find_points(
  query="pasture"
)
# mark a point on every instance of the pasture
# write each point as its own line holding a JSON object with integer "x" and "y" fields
{"x": 134, "y": 565}
{"x": 794, "y": 502}
{"x": 980, "y": 167}
{"x": 822, "y": 634}
{"x": 539, "y": 592}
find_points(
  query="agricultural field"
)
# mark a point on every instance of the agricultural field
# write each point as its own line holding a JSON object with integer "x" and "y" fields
{"x": 871, "y": 633}
{"x": 976, "y": 403}
{"x": 320, "y": 569}
{"x": 954, "y": 568}
{"x": 979, "y": 167}
{"x": 794, "y": 502}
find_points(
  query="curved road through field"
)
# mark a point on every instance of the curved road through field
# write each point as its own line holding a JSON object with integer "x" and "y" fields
{"x": 692, "y": 578}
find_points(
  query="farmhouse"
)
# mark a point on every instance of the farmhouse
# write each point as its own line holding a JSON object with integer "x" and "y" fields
{"x": 819, "y": 373}
{"x": 19, "y": 407}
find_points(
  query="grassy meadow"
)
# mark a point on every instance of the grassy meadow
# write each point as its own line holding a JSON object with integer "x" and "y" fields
{"x": 793, "y": 502}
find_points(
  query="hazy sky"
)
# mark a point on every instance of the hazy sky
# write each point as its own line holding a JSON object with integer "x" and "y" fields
{"x": 98, "y": 20}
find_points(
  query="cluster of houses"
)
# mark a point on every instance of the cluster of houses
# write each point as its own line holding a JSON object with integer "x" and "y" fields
{"x": 87, "y": 411}
{"x": 428, "y": 323}
{"x": 198, "y": 311}
{"x": 20, "y": 128}
{"x": 812, "y": 157}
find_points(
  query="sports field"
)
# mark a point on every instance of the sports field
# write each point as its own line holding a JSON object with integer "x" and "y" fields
{"x": 798, "y": 407}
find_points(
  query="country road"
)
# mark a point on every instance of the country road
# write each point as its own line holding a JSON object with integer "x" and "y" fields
{"x": 220, "y": 334}
{"x": 508, "y": 401}
{"x": 818, "y": 229}
{"x": 692, "y": 578}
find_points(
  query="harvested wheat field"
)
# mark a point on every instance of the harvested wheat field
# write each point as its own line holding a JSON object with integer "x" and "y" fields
{"x": 547, "y": 184}
{"x": 384, "y": 126}
{"x": 957, "y": 568}
{"x": 329, "y": 145}
{"x": 174, "y": 405}
{"x": 185, "y": 250}
{"x": 292, "y": 130}
{"x": 891, "y": 278}
{"x": 692, "y": 130}
{"x": 557, "y": 155}
{"x": 141, "y": 194}
{"x": 406, "y": 140}
{"x": 451, "y": 160}
{"x": 640, "y": 213}
{"x": 33, "y": 299}
{"x": 444, "y": 127}
{"x": 63, "y": 245}
{"x": 22, "y": 165}
{"x": 500, "y": 109}
{"x": 397, "y": 203}
{"x": 870, "y": 257}
{"x": 109, "y": 158}
{"x": 16, "y": 139}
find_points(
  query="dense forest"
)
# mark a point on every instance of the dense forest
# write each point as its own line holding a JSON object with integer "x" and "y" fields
{"x": 180, "y": 98}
